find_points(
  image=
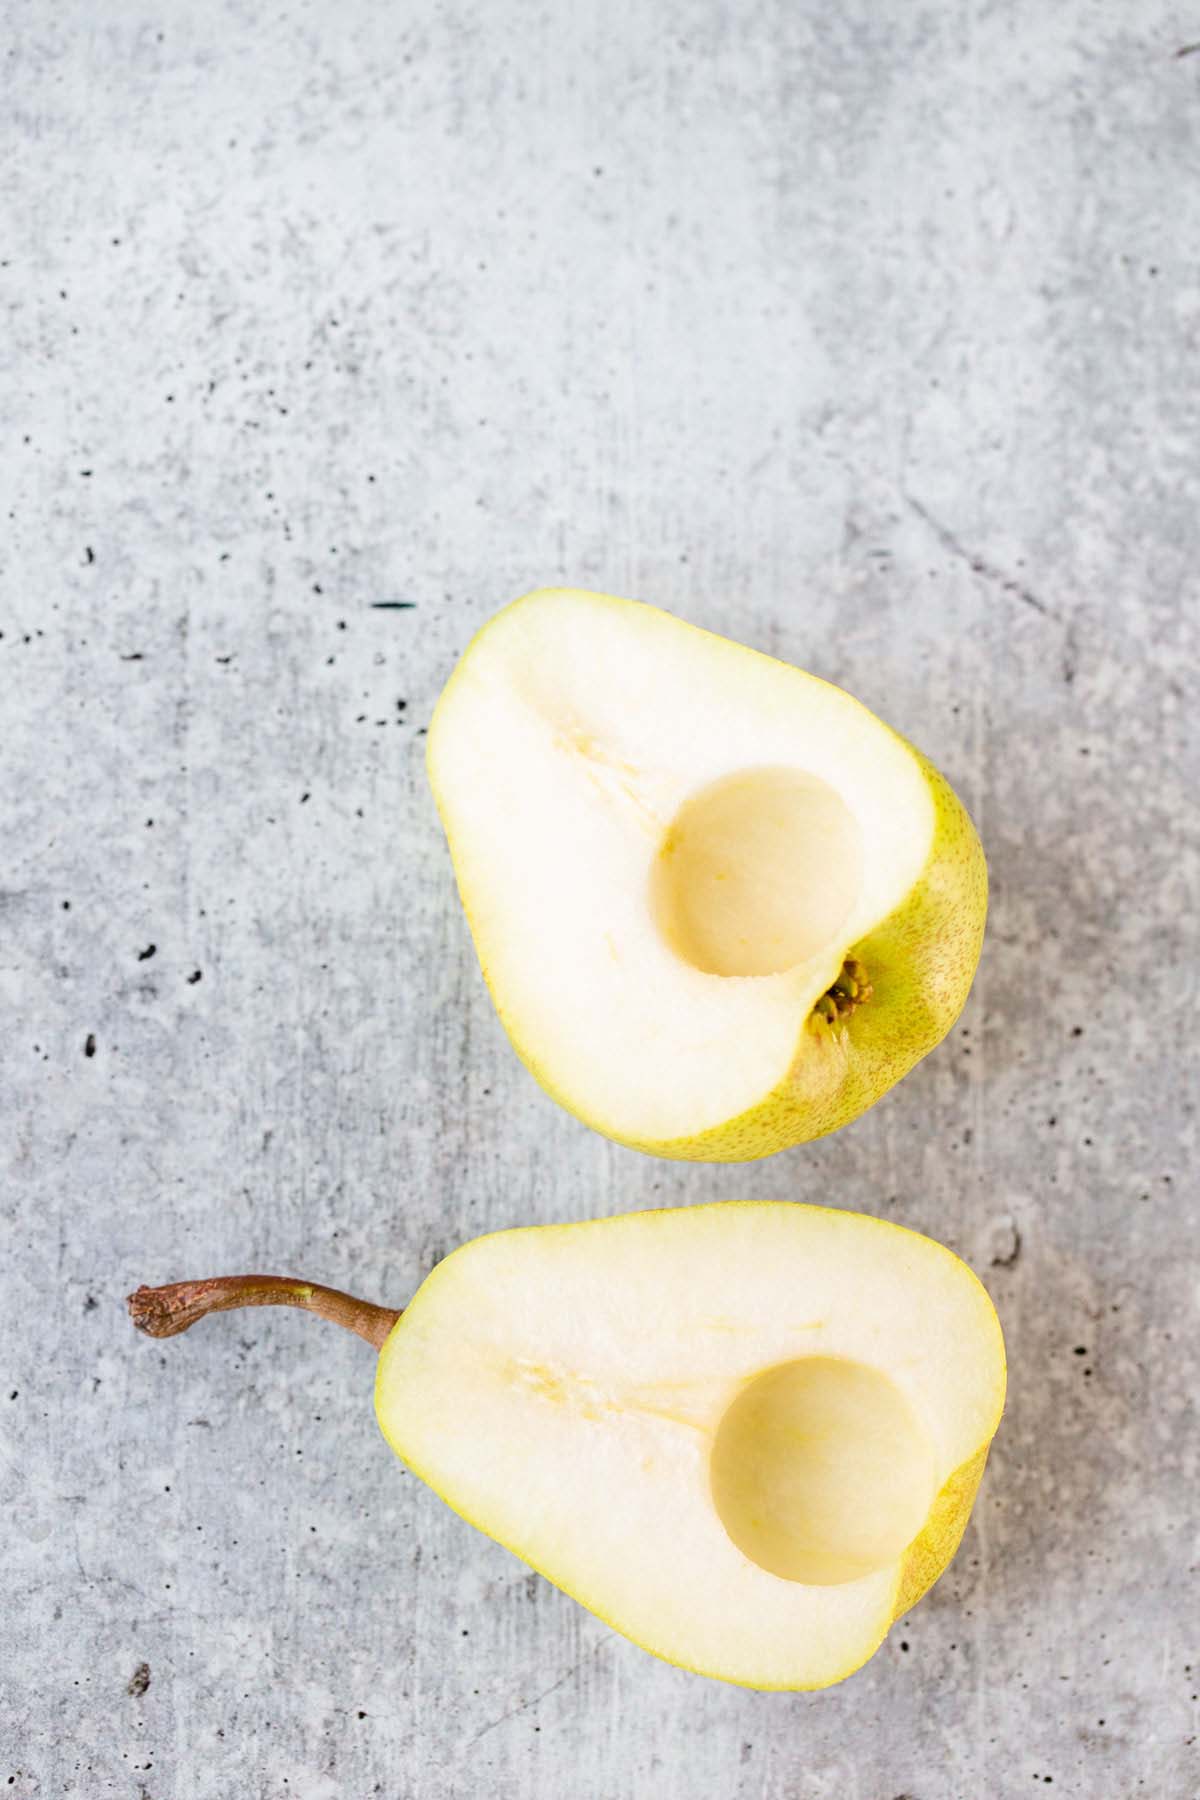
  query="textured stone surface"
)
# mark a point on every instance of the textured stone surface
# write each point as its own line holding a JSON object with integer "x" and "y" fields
{"x": 866, "y": 334}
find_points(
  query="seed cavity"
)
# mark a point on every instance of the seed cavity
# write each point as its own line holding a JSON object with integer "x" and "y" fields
{"x": 850, "y": 991}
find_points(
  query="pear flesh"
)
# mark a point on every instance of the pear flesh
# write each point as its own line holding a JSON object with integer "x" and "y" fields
{"x": 668, "y": 847}
{"x": 747, "y": 1435}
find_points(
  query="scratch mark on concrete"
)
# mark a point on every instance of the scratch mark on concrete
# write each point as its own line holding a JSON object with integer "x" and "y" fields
{"x": 979, "y": 565}
{"x": 528, "y": 1705}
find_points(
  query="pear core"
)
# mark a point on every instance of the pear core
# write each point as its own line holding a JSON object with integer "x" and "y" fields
{"x": 821, "y": 1471}
{"x": 757, "y": 872}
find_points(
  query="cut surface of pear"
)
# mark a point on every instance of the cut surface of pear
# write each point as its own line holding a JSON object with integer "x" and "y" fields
{"x": 719, "y": 905}
{"x": 748, "y": 1435}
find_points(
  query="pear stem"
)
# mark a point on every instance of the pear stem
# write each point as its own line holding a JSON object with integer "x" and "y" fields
{"x": 165, "y": 1311}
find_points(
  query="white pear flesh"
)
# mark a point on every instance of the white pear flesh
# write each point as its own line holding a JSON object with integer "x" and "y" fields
{"x": 667, "y": 845}
{"x": 748, "y": 1435}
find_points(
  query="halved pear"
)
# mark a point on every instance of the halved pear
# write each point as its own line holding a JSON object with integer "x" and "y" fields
{"x": 720, "y": 906}
{"x": 747, "y": 1435}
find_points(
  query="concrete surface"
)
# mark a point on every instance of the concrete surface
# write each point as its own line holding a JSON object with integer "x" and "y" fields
{"x": 866, "y": 334}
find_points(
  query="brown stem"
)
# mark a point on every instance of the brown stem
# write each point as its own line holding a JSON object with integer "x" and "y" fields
{"x": 165, "y": 1311}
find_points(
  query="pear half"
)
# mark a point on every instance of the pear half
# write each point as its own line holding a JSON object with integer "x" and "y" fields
{"x": 747, "y": 1435}
{"x": 719, "y": 905}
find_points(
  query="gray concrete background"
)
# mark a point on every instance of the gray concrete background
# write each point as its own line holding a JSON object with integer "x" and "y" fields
{"x": 866, "y": 334}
